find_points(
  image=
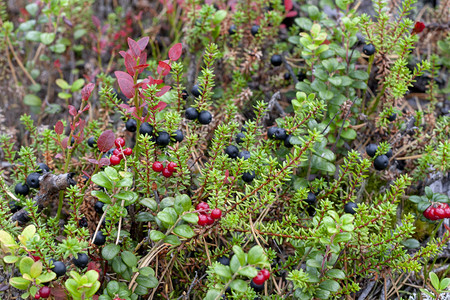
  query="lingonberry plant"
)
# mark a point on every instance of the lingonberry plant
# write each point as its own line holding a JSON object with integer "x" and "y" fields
{"x": 224, "y": 150}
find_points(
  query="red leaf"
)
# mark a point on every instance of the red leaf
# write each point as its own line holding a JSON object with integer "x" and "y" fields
{"x": 72, "y": 110}
{"x": 291, "y": 14}
{"x": 143, "y": 42}
{"x": 86, "y": 107}
{"x": 163, "y": 68}
{"x": 287, "y": 5}
{"x": 86, "y": 91}
{"x": 160, "y": 106}
{"x": 130, "y": 62}
{"x": 163, "y": 90}
{"x": 125, "y": 83}
{"x": 93, "y": 161}
{"x": 175, "y": 51}
{"x": 134, "y": 47}
{"x": 122, "y": 53}
{"x": 64, "y": 142}
{"x": 104, "y": 162}
{"x": 59, "y": 127}
{"x": 96, "y": 21}
{"x": 106, "y": 141}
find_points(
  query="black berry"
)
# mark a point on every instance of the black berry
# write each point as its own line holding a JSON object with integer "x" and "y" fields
{"x": 371, "y": 149}
{"x": 184, "y": 94}
{"x": 224, "y": 260}
{"x": 191, "y": 113}
{"x": 83, "y": 222}
{"x": 254, "y": 30}
{"x": 271, "y": 132}
{"x": 257, "y": 287}
{"x": 91, "y": 142}
{"x": 389, "y": 153}
{"x": 381, "y": 162}
{"x": 14, "y": 206}
{"x": 146, "y": 129}
{"x": 287, "y": 76}
{"x": 82, "y": 260}
{"x": 311, "y": 199}
{"x": 392, "y": 117}
{"x": 301, "y": 76}
{"x": 163, "y": 138}
{"x": 120, "y": 96}
{"x": 280, "y": 134}
{"x": 232, "y": 30}
{"x": 240, "y": 138}
{"x": 131, "y": 125}
{"x": 204, "y": 117}
{"x": 369, "y": 49}
{"x": 100, "y": 238}
{"x": 349, "y": 208}
{"x": 98, "y": 206}
{"x": 42, "y": 168}
{"x": 33, "y": 180}
{"x": 232, "y": 151}
{"x": 276, "y": 60}
{"x": 287, "y": 142}
{"x": 248, "y": 176}
{"x": 196, "y": 91}
{"x": 178, "y": 135}
{"x": 244, "y": 154}
{"x": 59, "y": 268}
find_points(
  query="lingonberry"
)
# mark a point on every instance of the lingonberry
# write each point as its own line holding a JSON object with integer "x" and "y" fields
{"x": 100, "y": 238}
{"x": 98, "y": 207}
{"x": 232, "y": 151}
{"x": 114, "y": 160}
{"x": 21, "y": 189}
{"x": 440, "y": 211}
{"x": 240, "y": 138}
{"x": 157, "y": 166}
{"x": 287, "y": 142}
{"x": 91, "y": 142}
{"x": 311, "y": 199}
{"x": 248, "y": 176}
{"x": 42, "y": 168}
{"x": 191, "y": 113}
{"x": 202, "y": 206}
{"x": 204, "y": 117}
{"x": 119, "y": 142}
{"x": 162, "y": 138}
{"x": 209, "y": 220}
{"x": 166, "y": 172}
{"x": 244, "y": 154}
{"x": 33, "y": 180}
{"x": 369, "y": 49}
{"x": 81, "y": 261}
{"x": 202, "y": 220}
{"x": 280, "y": 134}
{"x": 224, "y": 260}
{"x": 276, "y": 60}
{"x": 232, "y": 30}
{"x": 131, "y": 125}
{"x": 146, "y": 129}
{"x": 171, "y": 166}
{"x": 118, "y": 153}
{"x": 430, "y": 213}
{"x": 271, "y": 132}
{"x": 196, "y": 91}
{"x": 128, "y": 151}
{"x": 349, "y": 208}
{"x": 447, "y": 210}
{"x": 216, "y": 214}
{"x": 371, "y": 149}
{"x": 45, "y": 292}
{"x": 254, "y": 30}
{"x": 178, "y": 135}
{"x": 59, "y": 268}
{"x": 265, "y": 273}
{"x": 259, "y": 279}
{"x": 381, "y": 162}
{"x": 37, "y": 296}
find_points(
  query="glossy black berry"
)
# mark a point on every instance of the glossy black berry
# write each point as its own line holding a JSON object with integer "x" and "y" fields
{"x": 82, "y": 260}
{"x": 257, "y": 287}
{"x": 240, "y": 138}
{"x": 369, "y": 49}
{"x": 287, "y": 76}
{"x": 59, "y": 268}
{"x": 184, "y": 94}
{"x": 381, "y": 162}
{"x": 100, "y": 238}
{"x": 349, "y": 208}
{"x": 163, "y": 138}
{"x": 33, "y": 180}
{"x": 271, "y": 132}
{"x": 244, "y": 154}
{"x": 287, "y": 142}
{"x": 42, "y": 168}
{"x": 196, "y": 91}
{"x": 281, "y": 134}
{"x": 371, "y": 149}
{"x": 232, "y": 151}
{"x": 224, "y": 260}
{"x": 389, "y": 153}
{"x": 276, "y": 60}
{"x": 178, "y": 135}
{"x": 254, "y": 30}
{"x": 14, "y": 206}
{"x": 191, "y": 113}
{"x": 232, "y": 30}
{"x": 311, "y": 199}
{"x": 204, "y": 117}
{"x": 98, "y": 206}
{"x": 248, "y": 176}
{"x": 392, "y": 117}
{"x": 146, "y": 129}
{"x": 83, "y": 222}
{"x": 131, "y": 125}
{"x": 91, "y": 142}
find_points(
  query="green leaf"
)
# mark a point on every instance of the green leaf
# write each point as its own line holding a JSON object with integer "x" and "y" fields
{"x": 27, "y": 26}
{"x": 173, "y": 240}
{"x": 336, "y": 81}
{"x": 19, "y": 283}
{"x": 166, "y": 202}
{"x": 112, "y": 174}
{"x": 168, "y": 215}
{"x": 7, "y": 240}
{"x": 234, "y": 264}
{"x": 223, "y": 271}
{"x": 62, "y": 84}
{"x": 32, "y": 100}
{"x": 336, "y": 273}
{"x": 102, "y": 196}
{"x": 58, "y": 48}
{"x": 342, "y": 237}
{"x": 144, "y": 216}
{"x": 25, "y": 265}
{"x": 428, "y": 192}
{"x": 330, "y": 285}
{"x": 46, "y": 277}
{"x": 79, "y": 33}
{"x": 146, "y": 271}
{"x": 411, "y": 243}
{"x": 415, "y": 199}
{"x": 318, "y": 85}
{"x": 129, "y": 258}
{"x": 33, "y": 35}
{"x": 212, "y": 294}
{"x": 47, "y": 38}
{"x": 184, "y": 231}
{"x": 434, "y": 280}
{"x": 239, "y": 285}
{"x": 219, "y": 16}
{"x": 128, "y": 196}
{"x": 147, "y": 281}
{"x": 110, "y": 251}
{"x": 112, "y": 287}
{"x": 102, "y": 180}
{"x": 322, "y": 294}
{"x": 313, "y": 263}
{"x": 32, "y": 8}
{"x": 239, "y": 254}
{"x": 248, "y": 271}
{"x": 156, "y": 235}
{"x": 304, "y": 23}
{"x": 77, "y": 85}
{"x": 64, "y": 95}
{"x": 190, "y": 218}
{"x": 118, "y": 265}
{"x": 10, "y": 259}
{"x": 256, "y": 255}
{"x": 36, "y": 269}
{"x": 444, "y": 284}
{"x": 361, "y": 75}
{"x": 150, "y": 203}
{"x": 349, "y": 134}
{"x": 182, "y": 203}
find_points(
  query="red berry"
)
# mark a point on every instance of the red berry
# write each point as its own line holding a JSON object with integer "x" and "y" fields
{"x": 45, "y": 292}
{"x": 216, "y": 214}
{"x": 202, "y": 206}
{"x": 430, "y": 213}
{"x": 127, "y": 151}
{"x": 118, "y": 153}
{"x": 114, "y": 160}
{"x": 157, "y": 166}
{"x": 418, "y": 27}
{"x": 202, "y": 220}
{"x": 171, "y": 166}
{"x": 166, "y": 172}
{"x": 209, "y": 220}
{"x": 266, "y": 273}
{"x": 259, "y": 279}
{"x": 440, "y": 211}
{"x": 37, "y": 296}
{"x": 447, "y": 210}
{"x": 119, "y": 142}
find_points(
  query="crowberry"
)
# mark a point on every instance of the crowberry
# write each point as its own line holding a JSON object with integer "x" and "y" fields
{"x": 33, "y": 180}
{"x": 100, "y": 238}
{"x": 196, "y": 91}
{"x": 131, "y": 125}
{"x": 21, "y": 189}
{"x": 349, "y": 207}
{"x": 369, "y": 49}
{"x": 146, "y": 129}
{"x": 232, "y": 151}
{"x": 91, "y": 142}
{"x": 276, "y": 60}
{"x": 82, "y": 260}
{"x": 204, "y": 117}
{"x": 59, "y": 268}
{"x": 98, "y": 207}
{"x": 191, "y": 113}
{"x": 42, "y": 168}
{"x": 163, "y": 139}
{"x": 381, "y": 162}
{"x": 371, "y": 149}
{"x": 178, "y": 135}
{"x": 248, "y": 176}
{"x": 254, "y": 30}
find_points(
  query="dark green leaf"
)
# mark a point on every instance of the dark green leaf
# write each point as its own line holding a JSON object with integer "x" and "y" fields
{"x": 150, "y": 203}
{"x": 110, "y": 251}
{"x": 190, "y": 218}
{"x": 223, "y": 271}
{"x": 129, "y": 258}
{"x": 173, "y": 240}
{"x": 144, "y": 216}
{"x": 256, "y": 255}
{"x": 147, "y": 281}
{"x": 184, "y": 231}
{"x": 336, "y": 273}
{"x": 330, "y": 285}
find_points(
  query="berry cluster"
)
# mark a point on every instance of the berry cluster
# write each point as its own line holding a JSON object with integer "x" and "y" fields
{"x": 161, "y": 138}
{"x": 205, "y": 218}
{"x": 381, "y": 161}
{"x": 44, "y": 292}
{"x": 166, "y": 171}
{"x": 257, "y": 282}
{"x": 204, "y": 117}
{"x": 31, "y": 181}
{"x": 119, "y": 152}
{"x": 437, "y": 211}
{"x": 275, "y": 133}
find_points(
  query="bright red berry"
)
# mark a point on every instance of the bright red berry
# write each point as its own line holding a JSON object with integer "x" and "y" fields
{"x": 447, "y": 210}
{"x": 202, "y": 206}
{"x": 216, "y": 214}
{"x": 259, "y": 279}
{"x": 418, "y": 27}
{"x": 119, "y": 142}
{"x": 114, "y": 160}
{"x": 202, "y": 220}
{"x": 127, "y": 151}
{"x": 430, "y": 213}
{"x": 118, "y": 153}
{"x": 209, "y": 220}
{"x": 266, "y": 273}
{"x": 166, "y": 172}
{"x": 171, "y": 166}
{"x": 157, "y": 166}
{"x": 45, "y": 292}
{"x": 37, "y": 296}
{"x": 440, "y": 211}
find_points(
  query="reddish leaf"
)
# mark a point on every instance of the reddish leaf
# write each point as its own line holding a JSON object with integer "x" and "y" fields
{"x": 291, "y": 14}
{"x": 143, "y": 42}
{"x": 163, "y": 68}
{"x": 86, "y": 107}
{"x": 125, "y": 83}
{"x": 64, "y": 142}
{"x": 160, "y": 106}
{"x": 96, "y": 21}
{"x": 163, "y": 90}
{"x": 86, "y": 91}
{"x": 58, "y": 155}
{"x": 106, "y": 141}
{"x": 140, "y": 68}
{"x": 130, "y": 62}
{"x": 58, "y": 292}
{"x": 287, "y": 5}
{"x": 59, "y": 127}
{"x": 122, "y": 53}
{"x": 86, "y": 174}
{"x": 72, "y": 110}
{"x": 104, "y": 162}
{"x": 134, "y": 47}
{"x": 93, "y": 161}
{"x": 143, "y": 58}
{"x": 175, "y": 51}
